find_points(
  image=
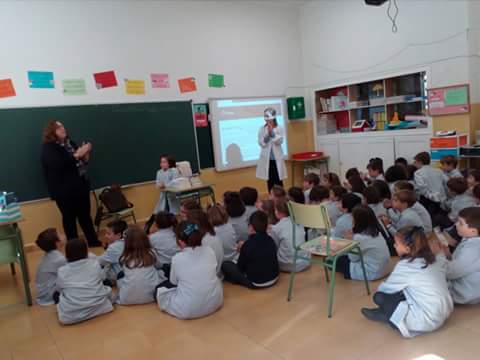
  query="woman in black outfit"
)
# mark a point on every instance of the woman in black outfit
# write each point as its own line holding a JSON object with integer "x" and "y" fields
{"x": 65, "y": 169}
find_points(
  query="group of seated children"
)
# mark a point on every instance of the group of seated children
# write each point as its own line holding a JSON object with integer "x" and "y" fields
{"x": 181, "y": 263}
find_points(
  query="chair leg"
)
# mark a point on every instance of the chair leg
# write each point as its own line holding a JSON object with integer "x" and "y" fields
{"x": 134, "y": 218}
{"x": 331, "y": 290}
{"x": 327, "y": 278}
{"x": 292, "y": 277}
{"x": 12, "y": 268}
{"x": 364, "y": 272}
{"x": 24, "y": 268}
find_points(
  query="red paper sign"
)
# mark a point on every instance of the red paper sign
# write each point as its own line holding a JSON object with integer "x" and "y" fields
{"x": 105, "y": 79}
{"x": 6, "y": 88}
{"x": 187, "y": 85}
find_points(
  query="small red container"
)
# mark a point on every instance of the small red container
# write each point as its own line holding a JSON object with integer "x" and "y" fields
{"x": 307, "y": 155}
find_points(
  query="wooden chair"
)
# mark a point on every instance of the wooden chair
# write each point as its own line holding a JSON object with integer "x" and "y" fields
{"x": 106, "y": 215}
{"x": 325, "y": 251}
{"x": 11, "y": 252}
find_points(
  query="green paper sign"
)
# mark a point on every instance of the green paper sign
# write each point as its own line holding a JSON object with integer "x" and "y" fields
{"x": 74, "y": 87}
{"x": 216, "y": 80}
{"x": 456, "y": 96}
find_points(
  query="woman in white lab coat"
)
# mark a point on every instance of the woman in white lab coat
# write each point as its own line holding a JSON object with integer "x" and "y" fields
{"x": 80, "y": 284}
{"x": 194, "y": 290}
{"x": 140, "y": 277}
{"x": 415, "y": 297}
{"x": 271, "y": 165}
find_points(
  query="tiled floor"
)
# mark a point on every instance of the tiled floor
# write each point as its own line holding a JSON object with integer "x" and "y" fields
{"x": 251, "y": 325}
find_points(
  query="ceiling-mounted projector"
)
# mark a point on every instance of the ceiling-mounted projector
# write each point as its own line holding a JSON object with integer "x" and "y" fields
{"x": 375, "y": 2}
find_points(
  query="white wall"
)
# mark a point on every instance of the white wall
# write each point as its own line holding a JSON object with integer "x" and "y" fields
{"x": 255, "y": 45}
{"x": 348, "y": 35}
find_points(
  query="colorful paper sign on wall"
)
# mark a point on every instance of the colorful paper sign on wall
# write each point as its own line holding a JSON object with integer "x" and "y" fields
{"x": 216, "y": 80}
{"x": 449, "y": 100}
{"x": 187, "y": 85}
{"x": 200, "y": 113}
{"x": 6, "y": 88}
{"x": 41, "y": 80}
{"x": 160, "y": 81}
{"x": 74, "y": 87}
{"x": 135, "y": 87}
{"x": 105, "y": 79}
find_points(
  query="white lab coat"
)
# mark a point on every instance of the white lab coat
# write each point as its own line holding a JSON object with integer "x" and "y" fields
{"x": 463, "y": 272}
{"x": 199, "y": 291}
{"x": 274, "y": 144}
{"x": 164, "y": 242}
{"x": 46, "y": 278}
{"x": 428, "y": 302}
{"x": 282, "y": 234}
{"x": 216, "y": 244}
{"x": 138, "y": 285}
{"x": 229, "y": 240}
{"x": 376, "y": 257}
{"x": 82, "y": 293}
{"x": 110, "y": 259}
{"x": 165, "y": 177}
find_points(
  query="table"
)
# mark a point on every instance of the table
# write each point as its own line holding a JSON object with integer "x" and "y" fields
{"x": 195, "y": 192}
{"x": 309, "y": 162}
{"x": 9, "y": 231}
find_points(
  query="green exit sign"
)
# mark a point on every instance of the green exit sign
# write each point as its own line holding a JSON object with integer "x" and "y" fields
{"x": 296, "y": 108}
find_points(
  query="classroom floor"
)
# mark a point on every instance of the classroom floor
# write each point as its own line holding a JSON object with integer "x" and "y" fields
{"x": 251, "y": 325}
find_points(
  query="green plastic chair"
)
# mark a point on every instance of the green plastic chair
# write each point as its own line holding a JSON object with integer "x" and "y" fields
{"x": 126, "y": 213}
{"x": 325, "y": 251}
{"x": 11, "y": 252}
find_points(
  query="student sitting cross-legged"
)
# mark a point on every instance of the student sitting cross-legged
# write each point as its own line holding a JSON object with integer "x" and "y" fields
{"x": 414, "y": 299}
{"x": 140, "y": 276}
{"x": 401, "y": 214}
{"x": 50, "y": 241}
{"x": 376, "y": 255}
{"x": 115, "y": 245}
{"x": 194, "y": 289}
{"x": 282, "y": 234}
{"x": 224, "y": 231}
{"x": 345, "y": 222}
{"x": 463, "y": 271}
{"x": 82, "y": 294}
{"x": 257, "y": 265}
{"x": 164, "y": 241}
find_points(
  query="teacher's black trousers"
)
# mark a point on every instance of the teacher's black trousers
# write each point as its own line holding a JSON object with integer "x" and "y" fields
{"x": 76, "y": 206}
{"x": 273, "y": 178}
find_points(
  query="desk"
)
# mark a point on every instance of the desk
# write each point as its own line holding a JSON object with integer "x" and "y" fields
{"x": 10, "y": 231}
{"x": 309, "y": 162}
{"x": 195, "y": 192}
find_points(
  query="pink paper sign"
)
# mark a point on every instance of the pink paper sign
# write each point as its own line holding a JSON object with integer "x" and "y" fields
{"x": 160, "y": 81}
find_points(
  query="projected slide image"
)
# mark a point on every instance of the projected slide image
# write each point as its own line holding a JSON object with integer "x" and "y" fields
{"x": 236, "y": 124}
{"x": 239, "y": 140}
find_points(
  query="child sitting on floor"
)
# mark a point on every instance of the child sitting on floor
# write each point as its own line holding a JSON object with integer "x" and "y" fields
{"x": 309, "y": 181}
{"x": 46, "y": 278}
{"x": 345, "y": 221}
{"x": 82, "y": 294}
{"x": 115, "y": 245}
{"x": 194, "y": 289}
{"x": 164, "y": 241}
{"x": 297, "y": 195}
{"x": 282, "y": 234}
{"x": 320, "y": 195}
{"x": 218, "y": 217}
{"x": 401, "y": 214}
{"x": 331, "y": 179}
{"x": 376, "y": 255}
{"x": 278, "y": 193}
{"x": 249, "y": 196}
{"x": 460, "y": 200}
{"x": 415, "y": 298}
{"x": 257, "y": 265}
{"x": 140, "y": 276}
{"x": 449, "y": 167}
{"x": 463, "y": 271}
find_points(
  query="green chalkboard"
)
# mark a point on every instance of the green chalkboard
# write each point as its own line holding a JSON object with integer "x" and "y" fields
{"x": 127, "y": 139}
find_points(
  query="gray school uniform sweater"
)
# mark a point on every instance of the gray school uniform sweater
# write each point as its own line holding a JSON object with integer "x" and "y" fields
{"x": 422, "y": 214}
{"x": 460, "y": 202}
{"x": 375, "y": 256}
{"x": 430, "y": 182}
{"x": 463, "y": 272}
{"x": 344, "y": 224}
{"x": 46, "y": 278}
{"x": 164, "y": 242}
{"x": 407, "y": 217}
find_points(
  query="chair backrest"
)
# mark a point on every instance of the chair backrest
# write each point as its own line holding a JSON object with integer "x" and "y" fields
{"x": 184, "y": 168}
{"x": 311, "y": 216}
{"x": 97, "y": 193}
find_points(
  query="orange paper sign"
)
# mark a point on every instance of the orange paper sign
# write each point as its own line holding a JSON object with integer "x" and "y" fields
{"x": 6, "y": 88}
{"x": 187, "y": 85}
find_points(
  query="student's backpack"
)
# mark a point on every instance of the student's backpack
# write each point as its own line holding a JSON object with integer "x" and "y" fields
{"x": 113, "y": 199}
